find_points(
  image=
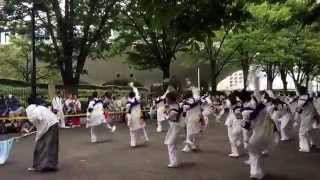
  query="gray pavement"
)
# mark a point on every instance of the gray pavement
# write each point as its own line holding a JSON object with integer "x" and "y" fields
{"x": 113, "y": 159}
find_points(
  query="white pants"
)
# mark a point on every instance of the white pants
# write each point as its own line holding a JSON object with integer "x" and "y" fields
{"x": 305, "y": 141}
{"x": 138, "y": 134}
{"x": 192, "y": 141}
{"x": 235, "y": 140}
{"x": 93, "y": 134}
{"x": 159, "y": 126}
{"x": 245, "y": 136}
{"x": 173, "y": 154}
{"x": 255, "y": 165}
{"x": 285, "y": 132}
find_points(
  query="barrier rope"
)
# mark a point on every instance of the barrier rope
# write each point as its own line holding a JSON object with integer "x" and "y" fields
{"x": 21, "y": 118}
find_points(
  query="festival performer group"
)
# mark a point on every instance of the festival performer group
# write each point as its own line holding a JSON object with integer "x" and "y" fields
{"x": 256, "y": 122}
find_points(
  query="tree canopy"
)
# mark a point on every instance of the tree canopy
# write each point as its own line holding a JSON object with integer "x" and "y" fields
{"x": 279, "y": 36}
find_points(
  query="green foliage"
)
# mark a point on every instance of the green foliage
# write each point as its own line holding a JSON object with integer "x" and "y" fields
{"x": 78, "y": 31}
{"x": 152, "y": 32}
{"x": 16, "y": 61}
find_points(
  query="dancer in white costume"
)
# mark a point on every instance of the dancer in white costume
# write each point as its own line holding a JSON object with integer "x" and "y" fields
{"x": 264, "y": 138}
{"x": 248, "y": 105}
{"x": 283, "y": 118}
{"x": 309, "y": 118}
{"x": 192, "y": 111}
{"x": 233, "y": 123}
{"x": 173, "y": 115}
{"x": 134, "y": 120}
{"x": 207, "y": 109}
{"x": 95, "y": 116}
{"x": 160, "y": 105}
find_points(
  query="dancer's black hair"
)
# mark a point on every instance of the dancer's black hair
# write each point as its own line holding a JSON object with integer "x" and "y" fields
{"x": 32, "y": 100}
{"x": 172, "y": 97}
{"x": 95, "y": 94}
{"x": 131, "y": 94}
{"x": 303, "y": 90}
{"x": 256, "y": 112}
{"x": 108, "y": 94}
{"x": 244, "y": 96}
{"x": 233, "y": 97}
{"x": 187, "y": 94}
{"x": 267, "y": 96}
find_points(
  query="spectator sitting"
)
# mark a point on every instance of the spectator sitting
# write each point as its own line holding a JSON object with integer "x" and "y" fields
{"x": 3, "y": 106}
{"x": 3, "y": 113}
{"x": 73, "y": 106}
{"x": 14, "y": 106}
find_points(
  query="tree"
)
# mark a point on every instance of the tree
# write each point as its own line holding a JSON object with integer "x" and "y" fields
{"x": 78, "y": 30}
{"x": 15, "y": 59}
{"x": 305, "y": 57}
{"x": 159, "y": 29}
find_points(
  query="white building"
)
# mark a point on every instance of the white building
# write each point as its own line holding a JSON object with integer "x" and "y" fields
{"x": 235, "y": 82}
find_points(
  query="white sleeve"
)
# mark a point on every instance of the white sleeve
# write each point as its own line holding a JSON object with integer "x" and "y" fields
{"x": 91, "y": 103}
{"x": 54, "y": 104}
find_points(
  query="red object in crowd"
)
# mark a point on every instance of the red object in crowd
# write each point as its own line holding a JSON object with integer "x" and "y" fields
{"x": 74, "y": 121}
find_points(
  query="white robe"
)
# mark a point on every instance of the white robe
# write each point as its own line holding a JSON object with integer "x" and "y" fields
{"x": 234, "y": 129}
{"x": 206, "y": 105}
{"x": 42, "y": 117}
{"x": 96, "y": 116}
{"x": 193, "y": 117}
{"x": 160, "y": 110}
{"x": 307, "y": 116}
{"x": 264, "y": 137}
{"x": 57, "y": 105}
{"x": 134, "y": 118}
{"x": 174, "y": 127}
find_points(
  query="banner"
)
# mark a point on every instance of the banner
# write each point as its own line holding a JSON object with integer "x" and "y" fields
{"x": 5, "y": 148}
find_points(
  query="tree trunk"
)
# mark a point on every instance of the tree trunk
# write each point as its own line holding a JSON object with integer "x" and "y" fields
{"x": 269, "y": 82}
{"x": 71, "y": 84}
{"x": 165, "y": 75}
{"x": 270, "y": 78}
{"x": 298, "y": 86}
{"x": 214, "y": 83}
{"x": 283, "y": 76}
{"x": 245, "y": 69}
{"x": 307, "y": 81}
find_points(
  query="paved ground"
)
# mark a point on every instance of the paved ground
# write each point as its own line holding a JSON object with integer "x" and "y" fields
{"x": 114, "y": 160}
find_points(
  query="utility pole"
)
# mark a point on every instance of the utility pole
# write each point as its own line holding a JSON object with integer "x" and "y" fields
{"x": 34, "y": 65}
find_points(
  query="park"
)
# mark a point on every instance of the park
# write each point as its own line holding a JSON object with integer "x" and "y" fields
{"x": 116, "y": 89}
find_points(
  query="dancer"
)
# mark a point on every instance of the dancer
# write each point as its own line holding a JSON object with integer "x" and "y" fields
{"x": 95, "y": 116}
{"x": 134, "y": 120}
{"x": 192, "y": 112}
{"x": 264, "y": 138}
{"x": 45, "y": 156}
{"x": 207, "y": 109}
{"x": 160, "y": 105}
{"x": 108, "y": 106}
{"x": 283, "y": 118}
{"x": 233, "y": 123}
{"x": 173, "y": 115}
{"x": 308, "y": 118}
